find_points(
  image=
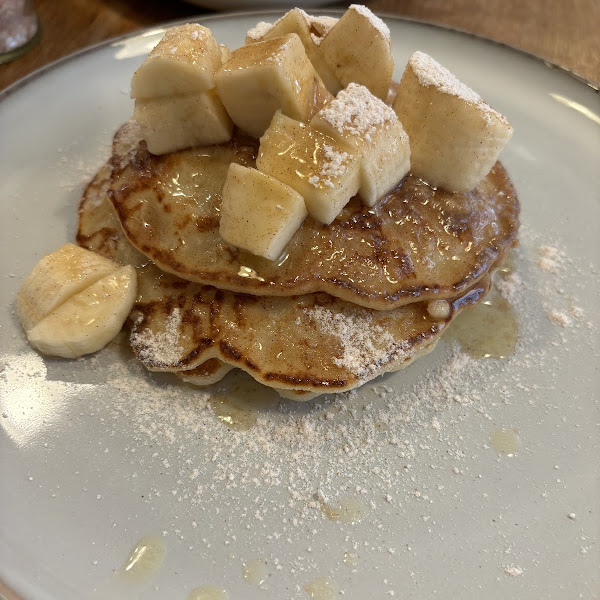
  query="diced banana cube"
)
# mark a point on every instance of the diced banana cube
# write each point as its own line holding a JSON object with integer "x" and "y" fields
{"x": 177, "y": 122}
{"x": 262, "y": 78}
{"x": 183, "y": 62}
{"x": 225, "y": 53}
{"x": 323, "y": 170}
{"x": 87, "y": 321}
{"x": 359, "y": 49}
{"x": 455, "y": 137}
{"x": 55, "y": 278}
{"x": 310, "y": 30}
{"x": 372, "y": 128}
{"x": 259, "y": 213}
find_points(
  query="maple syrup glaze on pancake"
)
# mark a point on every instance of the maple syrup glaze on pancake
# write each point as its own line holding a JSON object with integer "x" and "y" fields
{"x": 418, "y": 243}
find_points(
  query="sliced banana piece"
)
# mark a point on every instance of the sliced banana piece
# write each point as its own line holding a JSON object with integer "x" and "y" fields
{"x": 265, "y": 77}
{"x": 225, "y": 53}
{"x": 173, "y": 123}
{"x": 311, "y": 31}
{"x": 324, "y": 171}
{"x": 455, "y": 137}
{"x": 259, "y": 213}
{"x": 359, "y": 48}
{"x": 372, "y": 128}
{"x": 87, "y": 321}
{"x": 56, "y": 277}
{"x": 183, "y": 62}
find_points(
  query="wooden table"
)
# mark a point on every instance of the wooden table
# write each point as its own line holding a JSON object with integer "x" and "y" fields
{"x": 560, "y": 31}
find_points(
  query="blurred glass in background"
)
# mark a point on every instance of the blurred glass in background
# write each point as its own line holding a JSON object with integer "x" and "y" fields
{"x": 19, "y": 28}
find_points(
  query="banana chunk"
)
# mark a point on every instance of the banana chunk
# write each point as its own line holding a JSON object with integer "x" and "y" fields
{"x": 183, "y": 62}
{"x": 323, "y": 170}
{"x": 455, "y": 137}
{"x": 56, "y": 277}
{"x": 265, "y": 77}
{"x": 359, "y": 49}
{"x": 372, "y": 128}
{"x": 259, "y": 213}
{"x": 225, "y": 53}
{"x": 87, "y": 321}
{"x": 177, "y": 122}
{"x": 311, "y": 31}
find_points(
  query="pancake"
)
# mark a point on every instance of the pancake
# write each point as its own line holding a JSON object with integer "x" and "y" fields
{"x": 417, "y": 244}
{"x": 301, "y": 345}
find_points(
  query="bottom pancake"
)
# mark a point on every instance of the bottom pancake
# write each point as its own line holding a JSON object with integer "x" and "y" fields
{"x": 302, "y": 346}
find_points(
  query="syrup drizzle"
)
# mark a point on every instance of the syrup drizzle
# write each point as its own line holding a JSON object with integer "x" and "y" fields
{"x": 488, "y": 330}
{"x": 240, "y": 401}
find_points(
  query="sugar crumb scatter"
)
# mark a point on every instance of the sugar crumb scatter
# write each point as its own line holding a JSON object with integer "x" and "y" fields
{"x": 163, "y": 347}
{"x": 430, "y": 73}
{"x": 379, "y": 25}
{"x": 357, "y": 112}
{"x": 259, "y": 30}
{"x": 361, "y": 341}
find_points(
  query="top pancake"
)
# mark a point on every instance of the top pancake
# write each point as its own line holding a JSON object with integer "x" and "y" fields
{"x": 416, "y": 244}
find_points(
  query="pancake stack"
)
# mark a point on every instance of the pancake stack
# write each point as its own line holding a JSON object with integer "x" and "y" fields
{"x": 345, "y": 303}
{"x": 284, "y": 209}
{"x": 286, "y": 213}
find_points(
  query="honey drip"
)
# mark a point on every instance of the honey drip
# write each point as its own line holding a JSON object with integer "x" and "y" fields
{"x": 322, "y": 588}
{"x": 504, "y": 441}
{"x": 208, "y": 593}
{"x": 241, "y": 401}
{"x": 255, "y": 571}
{"x": 350, "y": 510}
{"x": 144, "y": 561}
{"x": 135, "y": 574}
{"x": 488, "y": 330}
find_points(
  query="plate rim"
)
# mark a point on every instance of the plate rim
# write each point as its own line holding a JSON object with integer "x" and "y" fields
{"x": 40, "y": 71}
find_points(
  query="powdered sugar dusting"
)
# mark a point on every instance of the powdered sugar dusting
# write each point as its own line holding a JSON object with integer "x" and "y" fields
{"x": 259, "y": 31}
{"x": 412, "y": 447}
{"x": 559, "y": 318}
{"x": 550, "y": 259}
{"x": 334, "y": 165}
{"x": 162, "y": 348}
{"x": 510, "y": 286}
{"x": 513, "y": 570}
{"x": 364, "y": 344}
{"x": 356, "y": 111}
{"x": 379, "y": 25}
{"x": 430, "y": 73}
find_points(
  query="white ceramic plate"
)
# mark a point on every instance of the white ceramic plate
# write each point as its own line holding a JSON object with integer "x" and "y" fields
{"x": 97, "y": 454}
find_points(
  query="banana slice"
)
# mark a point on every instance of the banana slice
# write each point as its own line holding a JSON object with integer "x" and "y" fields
{"x": 259, "y": 213}
{"x": 323, "y": 170}
{"x": 89, "y": 320}
{"x": 311, "y": 30}
{"x": 455, "y": 137}
{"x": 359, "y": 49}
{"x": 265, "y": 77}
{"x": 58, "y": 276}
{"x": 183, "y": 62}
{"x": 372, "y": 128}
{"x": 173, "y": 123}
